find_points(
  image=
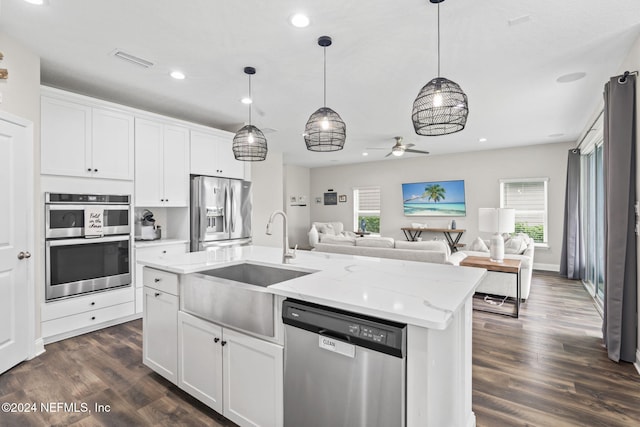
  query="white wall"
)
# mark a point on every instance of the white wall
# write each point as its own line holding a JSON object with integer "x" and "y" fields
{"x": 268, "y": 189}
{"x": 21, "y": 97}
{"x": 481, "y": 171}
{"x": 632, "y": 63}
{"x": 297, "y": 181}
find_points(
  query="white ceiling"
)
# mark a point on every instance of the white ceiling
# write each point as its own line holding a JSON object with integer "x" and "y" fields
{"x": 383, "y": 52}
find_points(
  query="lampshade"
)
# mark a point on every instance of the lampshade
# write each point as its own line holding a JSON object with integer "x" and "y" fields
{"x": 249, "y": 143}
{"x": 441, "y": 106}
{"x": 497, "y": 220}
{"x": 325, "y": 130}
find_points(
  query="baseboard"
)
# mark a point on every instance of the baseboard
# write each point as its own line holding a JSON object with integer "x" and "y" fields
{"x": 547, "y": 267}
{"x": 92, "y": 328}
{"x": 637, "y": 364}
{"x": 38, "y": 348}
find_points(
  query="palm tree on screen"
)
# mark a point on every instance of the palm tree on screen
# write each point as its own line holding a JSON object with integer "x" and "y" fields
{"x": 434, "y": 192}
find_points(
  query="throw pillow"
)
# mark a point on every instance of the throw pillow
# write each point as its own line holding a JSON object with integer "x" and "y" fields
{"x": 313, "y": 236}
{"x": 375, "y": 242}
{"x": 515, "y": 245}
{"x": 478, "y": 245}
{"x": 326, "y": 229}
{"x": 337, "y": 240}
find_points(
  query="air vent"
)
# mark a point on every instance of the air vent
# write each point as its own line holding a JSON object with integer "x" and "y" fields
{"x": 132, "y": 59}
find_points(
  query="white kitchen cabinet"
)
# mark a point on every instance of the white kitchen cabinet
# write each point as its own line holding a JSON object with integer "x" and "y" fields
{"x": 153, "y": 250}
{"x": 160, "y": 323}
{"x": 200, "y": 358}
{"x": 86, "y": 141}
{"x": 239, "y": 376}
{"x": 162, "y": 164}
{"x": 212, "y": 154}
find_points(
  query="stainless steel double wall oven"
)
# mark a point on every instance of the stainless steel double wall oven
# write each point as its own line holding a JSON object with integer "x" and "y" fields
{"x": 77, "y": 263}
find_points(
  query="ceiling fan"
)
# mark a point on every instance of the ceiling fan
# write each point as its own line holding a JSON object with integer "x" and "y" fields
{"x": 399, "y": 148}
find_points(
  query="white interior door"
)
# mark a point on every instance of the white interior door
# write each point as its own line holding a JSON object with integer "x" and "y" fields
{"x": 15, "y": 198}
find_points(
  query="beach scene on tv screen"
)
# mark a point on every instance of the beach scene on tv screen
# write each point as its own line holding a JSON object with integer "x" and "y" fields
{"x": 437, "y": 198}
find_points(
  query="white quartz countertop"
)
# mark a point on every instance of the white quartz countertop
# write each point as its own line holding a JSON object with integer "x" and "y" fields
{"x": 417, "y": 293}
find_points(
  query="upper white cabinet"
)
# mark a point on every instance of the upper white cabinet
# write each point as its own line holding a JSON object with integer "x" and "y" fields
{"x": 212, "y": 154}
{"x": 162, "y": 164}
{"x": 86, "y": 141}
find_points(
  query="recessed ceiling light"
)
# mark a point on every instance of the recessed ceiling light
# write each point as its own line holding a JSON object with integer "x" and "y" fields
{"x": 572, "y": 77}
{"x": 178, "y": 75}
{"x": 482, "y": 140}
{"x": 36, "y": 2}
{"x": 365, "y": 154}
{"x": 299, "y": 20}
{"x": 246, "y": 100}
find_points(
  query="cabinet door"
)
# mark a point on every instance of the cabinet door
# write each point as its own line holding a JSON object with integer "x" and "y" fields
{"x": 231, "y": 168}
{"x": 160, "y": 333}
{"x": 200, "y": 358}
{"x": 176, "y": 166}
{"x": 66, "y": 138}
{"x": 253, "y": 374}
{"x": 149, "y": 161}
{"x": 112, "y": 144}
{"x": 204, "y": 154}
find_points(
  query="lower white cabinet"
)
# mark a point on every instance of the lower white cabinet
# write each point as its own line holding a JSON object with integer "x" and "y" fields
{"x": 159, "y": 326}
{"x": 239, "y": 376}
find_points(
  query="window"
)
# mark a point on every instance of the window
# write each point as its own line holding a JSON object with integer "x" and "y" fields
{"x": 528, "y": 196}
{"x": 366, "y": 205}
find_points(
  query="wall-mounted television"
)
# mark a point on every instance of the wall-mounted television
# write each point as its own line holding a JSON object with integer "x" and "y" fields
{"x": 435, "y": 198}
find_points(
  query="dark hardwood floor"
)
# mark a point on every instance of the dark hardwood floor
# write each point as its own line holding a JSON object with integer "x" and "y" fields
{"x": 547, "y": 368}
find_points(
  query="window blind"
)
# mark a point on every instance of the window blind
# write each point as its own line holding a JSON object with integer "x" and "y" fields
{"x": 369, "y": 199}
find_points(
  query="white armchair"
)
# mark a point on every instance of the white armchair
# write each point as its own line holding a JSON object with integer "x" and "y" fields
{"x": 334, "y": 229}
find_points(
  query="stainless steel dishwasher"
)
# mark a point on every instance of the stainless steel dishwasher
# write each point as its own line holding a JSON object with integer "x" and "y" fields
{"x": 342, "y": 369}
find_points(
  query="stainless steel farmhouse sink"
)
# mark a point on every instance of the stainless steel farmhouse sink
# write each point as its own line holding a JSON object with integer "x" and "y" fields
{"x": 235, "y": 295}
{"x": 255, "y": 274}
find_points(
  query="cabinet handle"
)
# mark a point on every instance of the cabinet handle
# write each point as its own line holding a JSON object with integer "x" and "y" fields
{"x": 156, "y": 280}
{"x": 93, "y": 303}
{"x": 95, "y": 170}
{"x": 216, "y": 340}
{"x": 164, "y": 252}
{"x": 88, "y": 169}
{"x": 223, "y": 343}
{"x": 157, "y": 294}
{"x": 93, "y": 317}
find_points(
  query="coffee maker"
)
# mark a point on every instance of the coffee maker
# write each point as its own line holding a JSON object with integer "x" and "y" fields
{"x": 146, "y": 228}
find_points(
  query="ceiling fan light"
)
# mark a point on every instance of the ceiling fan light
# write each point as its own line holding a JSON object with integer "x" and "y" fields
{"x": 397, "y": 151}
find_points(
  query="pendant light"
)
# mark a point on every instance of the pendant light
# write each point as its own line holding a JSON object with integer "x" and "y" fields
{"x": 249, "y": 143}
{"x": 325, "y": 130}
{"x": 441, "y": 107}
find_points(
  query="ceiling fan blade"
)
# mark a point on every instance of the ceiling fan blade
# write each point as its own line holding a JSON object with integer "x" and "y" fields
{"x": 409, "y": 145}
{"x": 375, "y": 148}
{"x": 388, "y": 154}
{"x": 416, "y": 151}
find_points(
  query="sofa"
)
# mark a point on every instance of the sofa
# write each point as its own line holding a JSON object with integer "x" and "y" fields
{"x": 519, "y": 246}
{"x": 331, "y": 237}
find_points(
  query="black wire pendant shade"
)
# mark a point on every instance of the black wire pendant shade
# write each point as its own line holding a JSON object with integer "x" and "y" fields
{"x": 249, "y": 143}
{"x": 325, "y": 130}
{"x": 441, "y": 106}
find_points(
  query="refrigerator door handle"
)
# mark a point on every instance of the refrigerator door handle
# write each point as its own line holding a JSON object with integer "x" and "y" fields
{"x": 226, "y": 209}
{"x": 232, "y": 220}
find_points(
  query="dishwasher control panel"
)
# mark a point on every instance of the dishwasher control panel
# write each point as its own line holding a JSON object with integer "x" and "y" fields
{"x": 344, "y": 325}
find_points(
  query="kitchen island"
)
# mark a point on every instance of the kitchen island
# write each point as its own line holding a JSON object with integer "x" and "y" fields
{"x": 433, "y": 300}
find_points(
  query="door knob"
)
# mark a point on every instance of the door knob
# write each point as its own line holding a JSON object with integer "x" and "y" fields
{"x": 23, "y": 255}
{"x": 27, "y": 254}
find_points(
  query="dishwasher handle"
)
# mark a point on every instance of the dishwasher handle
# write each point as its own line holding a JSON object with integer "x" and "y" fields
{"x": 335, "y": 335}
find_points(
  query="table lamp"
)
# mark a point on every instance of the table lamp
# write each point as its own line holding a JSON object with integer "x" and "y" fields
{"x": 497, "y": 221}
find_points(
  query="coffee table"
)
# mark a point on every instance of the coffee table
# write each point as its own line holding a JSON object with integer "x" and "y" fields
{"x": 507, "y": 266}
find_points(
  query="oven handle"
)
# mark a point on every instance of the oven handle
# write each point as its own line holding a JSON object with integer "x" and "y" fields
{"x": 86, "y": 241}
{"x": 72, "y": 207}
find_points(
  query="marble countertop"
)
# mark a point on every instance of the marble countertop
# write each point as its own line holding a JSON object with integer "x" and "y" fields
{"x": 417, "y": 293}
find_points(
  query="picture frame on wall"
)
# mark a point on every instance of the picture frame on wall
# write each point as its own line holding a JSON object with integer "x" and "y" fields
{"x": 342, "y": 198}
{"x": 331, "y": 198}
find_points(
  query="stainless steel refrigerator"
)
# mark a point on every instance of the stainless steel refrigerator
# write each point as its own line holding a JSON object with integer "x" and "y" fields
{"x": 220, "y": 212}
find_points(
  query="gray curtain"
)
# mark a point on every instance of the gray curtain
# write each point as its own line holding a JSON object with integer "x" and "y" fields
{"x": 572, "y": 258}
{"x": 620, "y": 299}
